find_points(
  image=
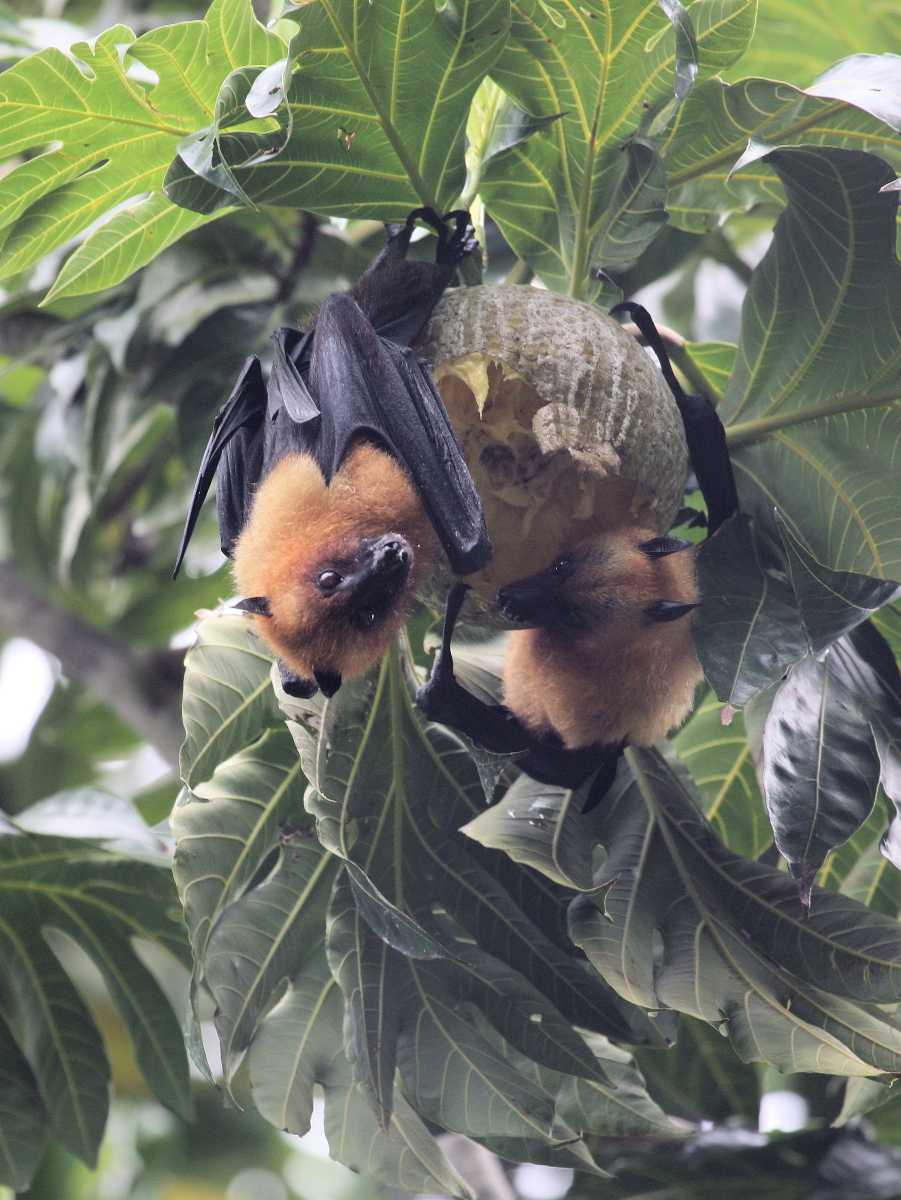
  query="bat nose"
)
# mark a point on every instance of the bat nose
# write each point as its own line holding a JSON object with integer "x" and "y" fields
{"x": 391, "y": 552}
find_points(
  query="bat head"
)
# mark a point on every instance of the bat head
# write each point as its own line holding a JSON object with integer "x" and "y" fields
{"x": 337, "y": 564}
{"x": 623, "y": 576}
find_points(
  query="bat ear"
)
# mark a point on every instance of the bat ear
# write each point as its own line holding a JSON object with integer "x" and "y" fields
{"x": 668, "y": 610}
{"x": 659, "y": 547}
{"x": 258, "y": 605}
{"x": 329, "y": 681}
{"x": 296, "y": 685}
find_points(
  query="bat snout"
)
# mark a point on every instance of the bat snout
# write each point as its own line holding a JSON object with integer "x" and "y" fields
{"x": 525, "y": 603}
{"x": 392, "y": 553}
{"x": 386, "y": 564}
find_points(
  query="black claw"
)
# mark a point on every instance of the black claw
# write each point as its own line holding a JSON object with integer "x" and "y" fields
{"x": 668, "y": 610}
{"x": 258, "y": 605}
{"x": 660, "y": 547}
{"x": 462, "y": 241}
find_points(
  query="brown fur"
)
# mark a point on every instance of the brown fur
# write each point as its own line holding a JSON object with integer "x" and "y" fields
{"x": 297, "y": 526}
{"x": 624, "y": 677}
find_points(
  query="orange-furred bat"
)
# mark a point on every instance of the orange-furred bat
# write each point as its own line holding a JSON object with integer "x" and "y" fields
{"x": 339, "y": 476}
{"x": 607, "y": 656}
{"x": 337, "y": 595}
{"x": 607, "y": 660}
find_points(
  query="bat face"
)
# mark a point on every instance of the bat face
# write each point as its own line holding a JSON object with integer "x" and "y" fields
{"x": 361, "y": 586}
{"x": 337, "y": 564}
{"x": 617, "y": 578}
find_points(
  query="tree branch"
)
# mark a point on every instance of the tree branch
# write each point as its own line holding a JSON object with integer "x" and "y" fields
{"x": 143, "y": 687}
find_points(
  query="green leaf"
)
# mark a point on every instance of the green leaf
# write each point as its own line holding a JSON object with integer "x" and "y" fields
{"x": 129, "y": 240}
{"x": 818, "y": 340}
{"x": 724, "y": 927}
{"x": 106, "y": 139}
{"x": 723, "y": 126}
{"x": 831, "y": 603}
{"x": 820, "y": 766}
{"x": 528, "y": 805}
{"x": 299, "y": 1045}
{"x": 764, "y": 609}
{"x": 513, "y": 974}
{"x": 715, "y": 361}
{"x": 101, "y": 902}
{"x": 587, "y": 191}
{"x": 797, "y": 39}
{"x": 700, "y": 1078}
{"x": 375, "y": 755}
{"x": 376, "y": 110}
{"x": 721, "y": 760}
{"x": 749, "y": 629}
{"x": 227, "y": 701}
{"x": 23, "y": 1118}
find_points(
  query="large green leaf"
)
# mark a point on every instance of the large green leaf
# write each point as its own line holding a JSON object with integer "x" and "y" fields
{"x": 228, "y": 700}
{"x": 390, "y": 793}
{"x": 766, "y": 607}
{"x": 811, "y": 406}
{"x": 700, "y": 1077}
{"x": 854, "y": 106}
{"x": 716, "y": 750}
{"x": 23, "y": 1117}
{"x": 105, "y": 139}
{"x": 375, "y": 112}
{"x": 298, "y": 1046}
{"x": 797, "y": 39}
{"x": 821, "y": 768}
{"x": 100, "y": 901}
{"x": 680, "y": 922}
{"x": 587, "y": 191}
{"x": 255, "y": 884}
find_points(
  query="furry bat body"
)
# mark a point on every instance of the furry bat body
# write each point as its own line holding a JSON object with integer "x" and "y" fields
{"x": 599, "y": 666}
{"x": 340, "y": 477}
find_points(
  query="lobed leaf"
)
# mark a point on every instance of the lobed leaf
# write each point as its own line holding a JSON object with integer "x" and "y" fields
{"x": 101, "y": 902}
{"x": 715, "y": 152}
{"x": 820, "y": 338}
{"x": 375, "y": 112}
{"x": 98, "y": 139}
{"x": 588, "y": 191}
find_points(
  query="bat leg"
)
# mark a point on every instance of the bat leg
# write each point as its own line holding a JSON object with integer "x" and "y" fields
{"x": 444, "y": 700}
{"x": 704, "y": 430}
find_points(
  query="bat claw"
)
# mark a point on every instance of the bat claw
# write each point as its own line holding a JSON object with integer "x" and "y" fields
{"x": 461, "y": 242}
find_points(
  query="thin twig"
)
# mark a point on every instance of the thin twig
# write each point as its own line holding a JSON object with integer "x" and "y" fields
{"x": 302, "y": 252}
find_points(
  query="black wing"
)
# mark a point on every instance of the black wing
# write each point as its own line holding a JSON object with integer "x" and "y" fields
{"x": 352, "y": 376}
{"x": 704, "y": 431}
{"x": 237, "y": 427}
{"x": 369, "y": 387}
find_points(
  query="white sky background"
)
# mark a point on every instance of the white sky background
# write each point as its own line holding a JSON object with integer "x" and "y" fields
{"x": 27, "y": 679}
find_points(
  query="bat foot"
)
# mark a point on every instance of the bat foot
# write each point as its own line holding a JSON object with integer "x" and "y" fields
{"x": 461, "y": 242}
{"x": 453, "y": 245}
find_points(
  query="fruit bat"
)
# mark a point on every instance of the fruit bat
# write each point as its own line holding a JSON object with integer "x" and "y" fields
{"x": 339, "y": 477}
{"x": 605, "y": 656}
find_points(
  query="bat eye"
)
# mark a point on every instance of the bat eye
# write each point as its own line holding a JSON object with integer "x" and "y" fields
{"x": 328, "y": 581}
{"x": 562, "y": 565}
{"x": 366, "y": 619}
